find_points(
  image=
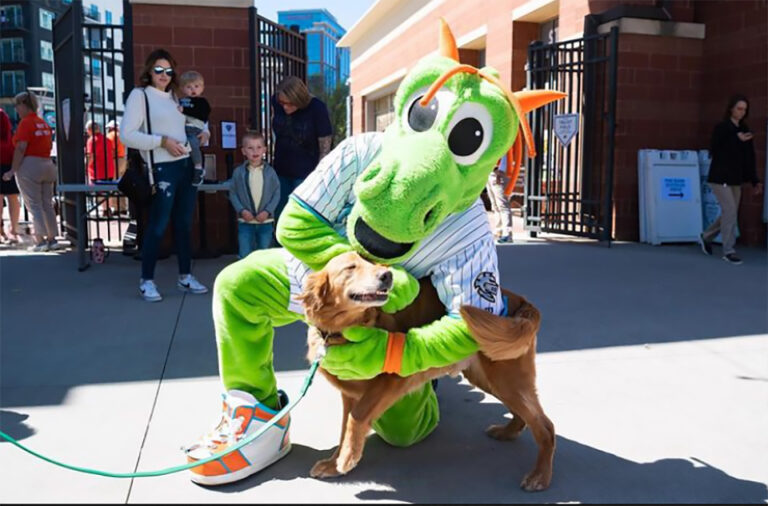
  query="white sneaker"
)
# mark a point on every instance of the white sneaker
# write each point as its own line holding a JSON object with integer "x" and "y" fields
{"x": 242, "y": 415}
{"x": 188, "y": 283}
{"x": 148, "y": 290}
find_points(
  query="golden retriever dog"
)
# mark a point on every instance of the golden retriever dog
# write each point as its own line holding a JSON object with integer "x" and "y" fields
{"x": 350, "y": 290}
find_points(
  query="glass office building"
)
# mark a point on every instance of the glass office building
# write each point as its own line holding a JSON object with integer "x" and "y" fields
{"x": 322, "y": 32}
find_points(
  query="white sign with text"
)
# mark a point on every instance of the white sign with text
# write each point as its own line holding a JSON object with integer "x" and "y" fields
{"x": 566, "y": 127}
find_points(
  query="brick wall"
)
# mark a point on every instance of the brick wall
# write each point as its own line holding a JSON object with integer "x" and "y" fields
{"x": 215, "y": 42}
{"x": 657, "y": 106}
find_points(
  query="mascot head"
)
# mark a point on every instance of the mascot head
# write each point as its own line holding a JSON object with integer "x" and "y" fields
{"x": 453, "y": 122}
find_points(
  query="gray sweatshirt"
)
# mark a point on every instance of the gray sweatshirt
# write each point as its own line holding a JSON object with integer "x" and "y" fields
{"x": 240, "y": 193}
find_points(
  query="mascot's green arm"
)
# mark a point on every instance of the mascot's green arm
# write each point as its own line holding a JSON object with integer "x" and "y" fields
{"x": 308, "y": 236}
{"x": 441, "y": 343}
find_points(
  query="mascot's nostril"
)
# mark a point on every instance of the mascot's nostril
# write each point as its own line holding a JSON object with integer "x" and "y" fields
{"x": 371, "y": 173}
{"x": 385, "y": 280}
{"x": 432, "y": 216}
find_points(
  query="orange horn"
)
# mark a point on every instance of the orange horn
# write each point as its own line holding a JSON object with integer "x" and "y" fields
{"x": 530, "y": 100}
{"x": 447, "y": 42}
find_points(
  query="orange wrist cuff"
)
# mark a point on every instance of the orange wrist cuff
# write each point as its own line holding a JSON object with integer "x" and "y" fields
{"x": 394, "y": 358}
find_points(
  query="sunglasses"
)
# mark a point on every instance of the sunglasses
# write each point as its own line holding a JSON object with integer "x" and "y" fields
{"x": 159, "y": 70}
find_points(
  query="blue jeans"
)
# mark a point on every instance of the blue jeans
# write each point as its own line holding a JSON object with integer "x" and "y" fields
{"x": 194, "y": 143}
{"x": 253, "y": 236}
{"x": 174, "y": 200}
{"x": 287, "y": 185}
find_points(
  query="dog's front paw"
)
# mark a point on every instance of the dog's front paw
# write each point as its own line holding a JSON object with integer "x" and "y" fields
{"x": 347, "y": 461}
{"x": 536, "y": 481}
{"x": 324, "y": 469}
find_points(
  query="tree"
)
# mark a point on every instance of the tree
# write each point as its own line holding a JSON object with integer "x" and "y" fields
{"x": 336, "y": 101}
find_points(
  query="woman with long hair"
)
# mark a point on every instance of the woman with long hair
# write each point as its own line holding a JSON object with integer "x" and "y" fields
{"x": 166, "y": 151}
{"x": 733, "y": 164}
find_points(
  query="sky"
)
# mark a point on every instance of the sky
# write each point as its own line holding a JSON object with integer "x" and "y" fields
{"x": 347, "y": 12}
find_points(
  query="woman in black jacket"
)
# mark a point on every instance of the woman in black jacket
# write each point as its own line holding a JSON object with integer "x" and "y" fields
{"x": 733, "y": 163}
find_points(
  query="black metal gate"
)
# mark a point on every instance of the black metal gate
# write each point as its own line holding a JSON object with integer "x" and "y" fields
{"x": 90, "y": 88}
{"x": 569, "y": 190}
{"x": 276, "y": 53}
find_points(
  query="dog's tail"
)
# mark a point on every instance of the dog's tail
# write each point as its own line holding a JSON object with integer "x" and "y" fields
{"x": 503, "y": 337}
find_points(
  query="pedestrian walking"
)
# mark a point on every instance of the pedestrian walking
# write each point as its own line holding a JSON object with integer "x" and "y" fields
{"x": 733, "y": 164}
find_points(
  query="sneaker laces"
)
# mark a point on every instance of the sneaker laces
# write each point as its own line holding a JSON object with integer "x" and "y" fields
{"x": 228, "y": 431}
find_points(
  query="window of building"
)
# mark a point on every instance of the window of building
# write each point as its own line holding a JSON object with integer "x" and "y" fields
{"x": 96, "y": 95}
{"x": 383, "y": 112}
{"x": 548, "y": 31}
{"x": 46, "y": 50}
{"x": 13, "y": 82}
{"x": 108, "y": 17}
{"x": 110, "y": 69}
{"x": 111, "y": 96}
{"x": 11, "y": 16}
{"x": 48, "y": 81}
{"x": 46, "y": 19}
{"x": 94, "y": 12}
{"x": 12, "y": 50}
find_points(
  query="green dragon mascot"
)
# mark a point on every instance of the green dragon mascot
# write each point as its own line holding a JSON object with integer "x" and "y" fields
{"x": 407, "y": 198}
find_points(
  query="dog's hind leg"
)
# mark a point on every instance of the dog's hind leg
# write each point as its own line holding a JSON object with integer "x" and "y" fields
{"x": 519, "y": 395}
{"x": 326, "y": 468}
{"x": 475, "y": 374}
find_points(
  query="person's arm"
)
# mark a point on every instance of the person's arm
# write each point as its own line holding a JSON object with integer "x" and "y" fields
{"x": 324, "y": 144}
{"x": 323, "y": 128}
{"x": 18, "y": 156}
{"x": 719, "y": 138}
{"x": 274, "y": 200}
{"x": 133, "y": 119}
{"x": 233, "y": 197}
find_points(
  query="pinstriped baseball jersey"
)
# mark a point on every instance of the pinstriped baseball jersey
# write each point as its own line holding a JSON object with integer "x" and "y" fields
{"x": 459, "y": 256}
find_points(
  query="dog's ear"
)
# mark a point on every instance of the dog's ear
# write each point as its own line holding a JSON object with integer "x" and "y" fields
{"x": 316, "y": 289}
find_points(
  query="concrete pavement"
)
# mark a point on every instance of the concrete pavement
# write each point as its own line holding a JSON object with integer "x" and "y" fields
{"x": 653, "y": 366}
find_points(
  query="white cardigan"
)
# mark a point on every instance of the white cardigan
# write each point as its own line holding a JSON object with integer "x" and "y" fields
{"x": 166, "y": 120}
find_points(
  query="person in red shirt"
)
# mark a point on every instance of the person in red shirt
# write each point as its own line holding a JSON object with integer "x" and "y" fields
{"x": 100, "y": 153}
{"x": 8, "y": 189}
{"x": 34, "y": 171}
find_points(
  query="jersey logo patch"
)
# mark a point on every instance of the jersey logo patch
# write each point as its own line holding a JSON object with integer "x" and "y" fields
{"x": 486, "y": 286}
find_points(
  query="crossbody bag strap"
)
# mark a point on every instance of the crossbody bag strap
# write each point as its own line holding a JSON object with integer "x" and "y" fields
{"x": 149, "y": 131}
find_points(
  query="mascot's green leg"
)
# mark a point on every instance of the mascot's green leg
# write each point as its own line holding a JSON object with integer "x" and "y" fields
{"x": 250, "y": 298}
{"x": 410, "y": 419}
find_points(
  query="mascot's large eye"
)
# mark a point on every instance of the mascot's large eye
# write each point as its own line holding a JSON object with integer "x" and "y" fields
{"x": 420, "y": 118}
{"x": 469, "y": 133}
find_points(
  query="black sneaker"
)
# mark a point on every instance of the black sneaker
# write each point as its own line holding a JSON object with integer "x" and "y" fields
{"x": 731, "y": 258}
{"x": 706, "y": 247}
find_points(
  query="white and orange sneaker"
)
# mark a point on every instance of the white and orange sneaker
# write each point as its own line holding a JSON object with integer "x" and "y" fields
{"x": 242, "y": 415}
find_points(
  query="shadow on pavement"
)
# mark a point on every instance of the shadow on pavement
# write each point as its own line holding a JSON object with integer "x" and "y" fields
{"x": 459, "y": 464}
{"x": 13, "y": 424}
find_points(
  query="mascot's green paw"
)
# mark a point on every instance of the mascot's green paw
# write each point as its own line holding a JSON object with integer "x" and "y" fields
{"x": 405, "y": 289}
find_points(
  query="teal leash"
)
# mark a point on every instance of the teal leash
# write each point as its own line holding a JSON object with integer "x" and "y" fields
{"x": 170, "y": 470}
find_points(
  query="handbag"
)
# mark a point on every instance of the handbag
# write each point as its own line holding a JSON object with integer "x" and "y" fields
{"x": 138, "y": 182}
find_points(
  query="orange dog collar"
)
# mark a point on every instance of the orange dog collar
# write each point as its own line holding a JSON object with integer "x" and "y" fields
{"x": 394, "y": 358}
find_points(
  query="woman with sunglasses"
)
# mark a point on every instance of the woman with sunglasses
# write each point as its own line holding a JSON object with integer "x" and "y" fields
{"x": 166, "y": 150}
